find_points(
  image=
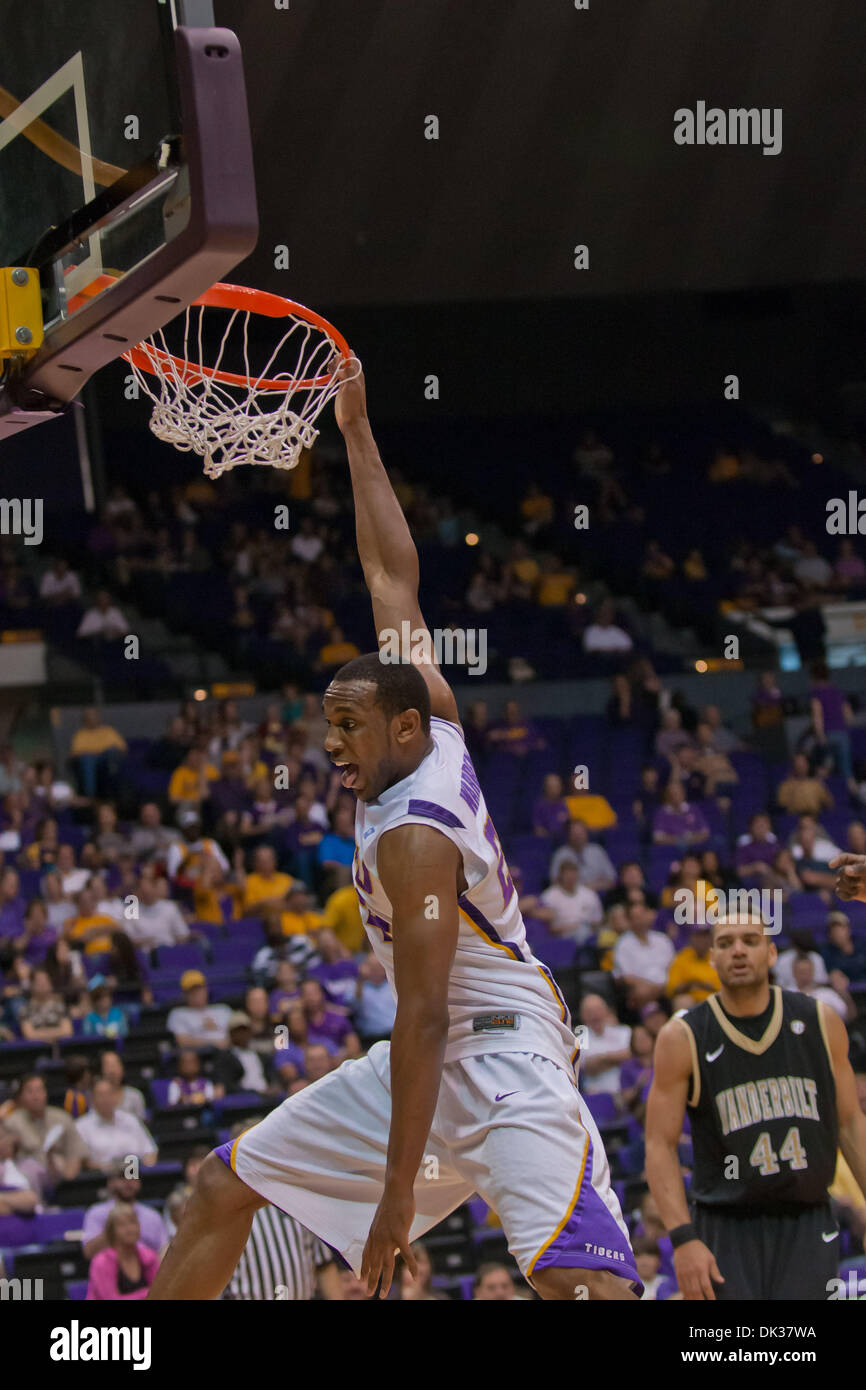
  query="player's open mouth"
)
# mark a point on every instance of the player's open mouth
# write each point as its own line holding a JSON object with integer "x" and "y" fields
{"x": 349, "y": 775}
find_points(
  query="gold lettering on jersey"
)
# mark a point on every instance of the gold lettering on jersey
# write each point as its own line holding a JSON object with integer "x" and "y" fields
{"x": 771, "y": 1098}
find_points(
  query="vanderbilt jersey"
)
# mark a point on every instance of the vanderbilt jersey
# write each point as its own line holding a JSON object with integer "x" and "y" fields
{"x": 500, "y": 998}
{"x": 762, "y": 1109}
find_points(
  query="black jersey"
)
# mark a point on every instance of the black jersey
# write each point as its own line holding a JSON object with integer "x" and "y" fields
{"x": 762, "y": 1107}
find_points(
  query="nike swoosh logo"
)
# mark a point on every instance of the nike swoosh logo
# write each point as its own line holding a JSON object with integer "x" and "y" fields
{"x": 506, "y": 1094}
{"x": 827, "y": 1236}
{"x": 711, "y": 1056}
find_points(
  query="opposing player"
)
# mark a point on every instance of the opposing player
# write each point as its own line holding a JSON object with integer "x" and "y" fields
{"x": 476, "y": 1091}
{"x": 771, "y": 1096}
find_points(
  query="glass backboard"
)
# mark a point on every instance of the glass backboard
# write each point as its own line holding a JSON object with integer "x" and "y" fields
{"x": 124, "y": 133}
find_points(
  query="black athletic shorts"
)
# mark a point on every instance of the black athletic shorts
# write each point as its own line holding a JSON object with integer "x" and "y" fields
{"x": 771, "y": 1255}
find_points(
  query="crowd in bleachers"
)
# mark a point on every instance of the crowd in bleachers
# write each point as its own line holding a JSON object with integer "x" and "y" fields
{"x": 263, "y": 569}
{"x": 181, "y": 946}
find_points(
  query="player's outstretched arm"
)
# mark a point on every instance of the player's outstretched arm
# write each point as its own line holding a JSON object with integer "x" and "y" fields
{"x": 418, "y": 870}
{"x": 695, "y": 1264}
{"x": 852, "y": 1121}
{"x": 385, "y": 547}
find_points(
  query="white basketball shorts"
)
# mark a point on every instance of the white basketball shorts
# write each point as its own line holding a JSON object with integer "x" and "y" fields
{"x": 510, "y": 1126}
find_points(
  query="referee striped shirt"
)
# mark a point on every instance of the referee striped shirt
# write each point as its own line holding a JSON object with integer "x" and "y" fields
{"x": 280, "y": 1259}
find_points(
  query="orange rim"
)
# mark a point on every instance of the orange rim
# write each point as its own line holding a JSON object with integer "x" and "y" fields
{"x": 242, "y": 297}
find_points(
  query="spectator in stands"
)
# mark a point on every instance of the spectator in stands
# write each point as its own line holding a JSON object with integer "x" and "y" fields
{"x": 550, "y": 814}
{"x": 685, "y": 874}
{"x": 376, "y": 1005}
{"x": 342, "y": 916}
{"x": 831, "y": 717}
{"x": 756, "y": 852}
{"x": 619, "y": 709}
{"x": 844, "y": 955}
{"x": 239, "y": 1066}
{"x": 631, "y": 876}
{"x": 20, "y": 1178}
{"x": 476, "y": 731}
{"x": 66, "y": 969}
{"x": 190, "y": 784}
{"x": 96, "y": 754}
{"x": 129, "y": 1098}
{"x": 198, "y": 868}
{"x": 642, "y": 958}
{"x": 514, "y": 734}
{"x": 493, "y": 1284}
{"x": 672, "y": 736}
{"x": 44, "y": 1017}
{"x": 604, "y": 635}
{"x": 420, "y": 1289}
{"x": 59, "y": 584}
{"x": 337, "y": 849}
{"x": 577, "y": 910}
{"x": 647, "y": 1259}
{"x": 649, "y": 798}
{"x": 123, "y": 1192}
{"x": 812, "y": 854}
{"x": 106, "y": 1019}
{"x": 592, "y": 808}
{"x": 801, "y": 793}
{"x": 265, "y": 887}
{"x": 688, "y": 769}
{"x": 160, "y": 921}
{"x": 256, "y": 1008}
{"x": 802, "y": 943}
{"x": 636, "y": 1071}
{"x": 12, "y": 904}
{"x": 12, "y": 770}
{"x": 79, "y": 1083}
{"x": 811, "y": 569}
{"x": 45, "y": 1133}
{"x": 189, "y": 1086}
{"x": 691, "y": 970}
{"x": 302, "y": 838}
{"x": 604, "y": 1043}
{"x": 111, "y": 1134}
{"x": 197, "y": 1023}
{"x": 325, "y": 1023}
{"x": 677, "y": 822}
{"x": 716, "y": 767}
{"x": 89, "y": 928}
{"x": 593, "y": 861}
{"x": 103, "y": 620}
{"x": 286, "y": 992}
{"x": 150, "y": 839}
{"x": 804, "y": 983}
{"x": 126, "y": 1268}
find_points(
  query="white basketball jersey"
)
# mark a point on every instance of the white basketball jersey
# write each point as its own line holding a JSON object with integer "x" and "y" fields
{"x": 500, "y": 998}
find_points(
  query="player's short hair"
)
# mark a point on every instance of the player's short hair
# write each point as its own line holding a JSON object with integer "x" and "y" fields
{"x": 399, "y": 685}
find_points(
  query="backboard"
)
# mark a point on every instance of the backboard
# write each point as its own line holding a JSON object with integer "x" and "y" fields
{"x": 126, "y": 178}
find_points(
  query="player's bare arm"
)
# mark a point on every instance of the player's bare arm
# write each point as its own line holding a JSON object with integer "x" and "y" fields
{"x": 387, "y": 552}
{"x": 694, "y": 1262}
{"x": 852, "y": 1121}
{"x": 418, "y": 868}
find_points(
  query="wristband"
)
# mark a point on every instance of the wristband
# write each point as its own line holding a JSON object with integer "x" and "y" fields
{"x": 680, "y": 1235}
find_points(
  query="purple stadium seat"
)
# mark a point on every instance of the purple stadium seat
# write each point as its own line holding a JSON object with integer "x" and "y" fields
{"x": 602, "y": 1106}
{"x": 16, "y": 1231}
{"x": 188, "y": 956}
{"x": 76, "y": 1290}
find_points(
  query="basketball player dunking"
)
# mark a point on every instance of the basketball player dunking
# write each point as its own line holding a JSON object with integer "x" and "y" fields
{"x": 770, "y": 1095}
{"x": 476, "y": 1091}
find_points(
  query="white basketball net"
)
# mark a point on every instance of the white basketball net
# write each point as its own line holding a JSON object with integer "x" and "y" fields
{"x": 228, "y": 424}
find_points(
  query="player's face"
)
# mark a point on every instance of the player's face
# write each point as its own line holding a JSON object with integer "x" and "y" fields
{"x": 359, "y": 740}
{"x": 742, "y": 954}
